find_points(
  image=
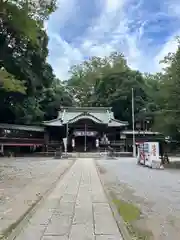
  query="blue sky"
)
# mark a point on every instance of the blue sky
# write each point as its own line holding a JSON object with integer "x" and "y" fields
{"x": 144, "y": 31}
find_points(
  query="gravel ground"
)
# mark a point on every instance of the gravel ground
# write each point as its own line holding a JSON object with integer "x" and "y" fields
{"x": 156, "y": 192}
{"x": 17, "y": 174}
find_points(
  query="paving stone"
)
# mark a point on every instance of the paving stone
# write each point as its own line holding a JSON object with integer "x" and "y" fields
{"x": 83, "y": 215}
{"x": 104, "y": 221}
{"x": 108, "y": 237}
{"x": 41, "y": 217}
{"x": 69, "y": 198}
{"x": 65, "y": 208}
{"x": 59, "y": 225}
{"x": 84, "y": 200}
{"x": 82, "y": 232}
{"x": 31, "y": 233}
{"x": 98, "y": 198}
{"x": 102, "y": 209}
{"x": 55, "y": 238}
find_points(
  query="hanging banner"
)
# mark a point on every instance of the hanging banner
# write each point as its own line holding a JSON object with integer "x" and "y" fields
{"x": 97, "y": 143}
{"x": 73, "y": 142}
{"x": 65, "y": 144}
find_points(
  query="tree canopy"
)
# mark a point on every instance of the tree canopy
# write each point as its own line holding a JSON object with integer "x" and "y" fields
{"x": 31, "y": 93}
{"x": 108, "y": 82}
{"x": 26, "y": 79}
{"x": 168, "y": 99}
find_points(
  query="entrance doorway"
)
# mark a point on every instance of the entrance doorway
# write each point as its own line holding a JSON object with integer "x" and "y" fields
{"x": 85, "y": 144}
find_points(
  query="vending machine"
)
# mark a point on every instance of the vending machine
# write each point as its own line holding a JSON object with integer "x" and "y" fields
{"x": 148, "y": 154}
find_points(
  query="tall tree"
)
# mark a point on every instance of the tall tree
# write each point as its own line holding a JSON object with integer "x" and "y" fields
{"x": 53, "y": 97}
{"x": 168, "y": 117}
{"x": 23, "y": 47}
{"x": 86, "y": 77}
{"x": 108, "y": 82}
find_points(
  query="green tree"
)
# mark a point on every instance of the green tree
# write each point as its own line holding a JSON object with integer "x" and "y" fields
{"x": 86, "y": 77}
{"x": 54, "y": 97}
{"x": 168, "y": 117}
{"x": 9, "y": 84}
{"x": 23, "y": 47}
{"x": 108, "y": 82}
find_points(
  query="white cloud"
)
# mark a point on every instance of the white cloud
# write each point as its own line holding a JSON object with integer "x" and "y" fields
{"x": 169, "y": 47}
{"x": 113, "y": 5}
{"x": 62, "y": 56}
{"x": 62, "y": 14}
{"x": 101, "y": 50}
{"x": 116, "y": 29}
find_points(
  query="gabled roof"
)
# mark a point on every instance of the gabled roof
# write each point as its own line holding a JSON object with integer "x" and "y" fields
{"x": 100, "y": 115}
{"x": 53, "y": 123}
{"x": 117, "y": 123}
{"x": 87, "y": 116}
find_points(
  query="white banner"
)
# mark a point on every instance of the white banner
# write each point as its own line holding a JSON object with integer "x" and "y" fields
{"x": 97, "y": 143}
{"x": 65, "y": 144}
{"x": 73, "y": 142}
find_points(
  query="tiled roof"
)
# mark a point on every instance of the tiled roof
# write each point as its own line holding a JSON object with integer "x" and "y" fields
{"x": 130, "y": 132}
{"x": 101, "y": 115}
{"x": 116, "y": 123}
{"x": 22, "y": 127}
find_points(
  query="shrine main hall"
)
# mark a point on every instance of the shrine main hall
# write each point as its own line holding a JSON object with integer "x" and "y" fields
{"x": 84, "y": 128}
{"x": 80, "y": 129}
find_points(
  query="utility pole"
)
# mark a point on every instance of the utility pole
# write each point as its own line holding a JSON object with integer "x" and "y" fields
{"x": 133, "y": 123}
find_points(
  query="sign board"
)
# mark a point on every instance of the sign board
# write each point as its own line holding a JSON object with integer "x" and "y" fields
{"x": 85, "y": 133}
{"x": 153, "y": 160}
{"x": 122, "y": 136}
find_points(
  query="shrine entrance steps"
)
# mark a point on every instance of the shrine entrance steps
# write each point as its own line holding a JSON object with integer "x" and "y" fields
{"x": 101, "y": 154}
{"x": 85, "y": 154}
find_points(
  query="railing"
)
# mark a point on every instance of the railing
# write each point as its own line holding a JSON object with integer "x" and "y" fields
{"x": 53, "y": 142}
{"x": 117, "y": 143}
{"x": 5, "y": 140}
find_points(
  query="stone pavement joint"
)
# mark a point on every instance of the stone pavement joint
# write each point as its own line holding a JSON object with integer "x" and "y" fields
{"x": 77, "y": 209}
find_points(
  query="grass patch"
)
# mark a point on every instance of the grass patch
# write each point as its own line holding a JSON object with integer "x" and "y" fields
{"x": 128, "y": 211}
{"x": 130, "y": 214}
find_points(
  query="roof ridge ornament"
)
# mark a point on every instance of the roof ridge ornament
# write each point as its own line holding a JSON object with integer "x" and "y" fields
{"x": 62, "y": 117}
{"x": 108, "y": 116}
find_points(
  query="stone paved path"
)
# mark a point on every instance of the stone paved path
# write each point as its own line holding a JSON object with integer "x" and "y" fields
{"x": 23, "y": 181}
{"x": 77, "y": 209}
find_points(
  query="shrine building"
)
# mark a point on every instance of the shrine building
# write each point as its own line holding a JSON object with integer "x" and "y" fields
{"x": 83, "y": 127}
